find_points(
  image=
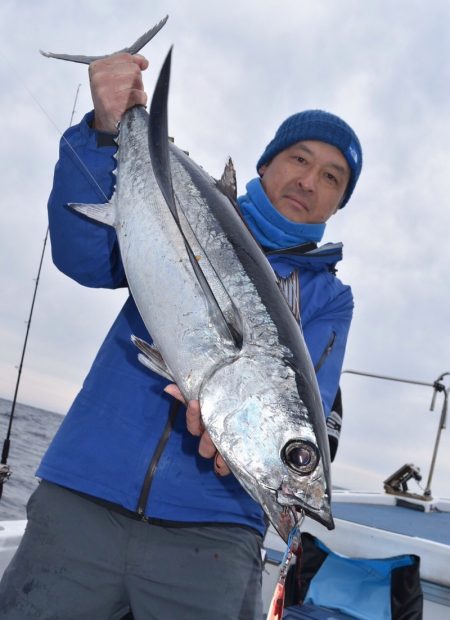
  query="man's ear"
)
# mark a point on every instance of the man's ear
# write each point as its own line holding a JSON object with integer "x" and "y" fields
{"x": 262, "y": 169}
{"x": 340, "y": 204}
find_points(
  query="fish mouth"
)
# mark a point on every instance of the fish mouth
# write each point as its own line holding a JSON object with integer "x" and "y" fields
{"x": 324, "y": 518}
{"x": 286, "y": 509}
{"x": 320, "y": 513}
{"x": 284, "y": 517}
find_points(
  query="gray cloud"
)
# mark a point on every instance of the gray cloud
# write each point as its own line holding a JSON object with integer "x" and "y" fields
{"x": 239, "y": 69}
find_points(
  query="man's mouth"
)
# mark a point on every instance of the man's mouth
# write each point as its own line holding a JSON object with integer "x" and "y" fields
{"x": 298, "y": 203}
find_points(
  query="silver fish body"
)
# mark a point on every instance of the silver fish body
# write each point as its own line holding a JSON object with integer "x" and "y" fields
{"x": 221, "y": 328}
{"x": 265, "y": 399}
{"x": 159, "y": 271}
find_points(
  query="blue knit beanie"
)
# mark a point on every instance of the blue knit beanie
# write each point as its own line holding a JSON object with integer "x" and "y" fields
{"x": 322, "y": 126}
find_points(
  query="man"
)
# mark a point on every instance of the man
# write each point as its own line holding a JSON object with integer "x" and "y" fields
{"x": 130, "y": 515}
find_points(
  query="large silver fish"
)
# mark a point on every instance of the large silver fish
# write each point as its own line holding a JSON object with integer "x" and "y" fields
{"x": 221, "y": 328}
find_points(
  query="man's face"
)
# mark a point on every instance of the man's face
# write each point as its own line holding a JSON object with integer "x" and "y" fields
{"x": 307, "y": 181}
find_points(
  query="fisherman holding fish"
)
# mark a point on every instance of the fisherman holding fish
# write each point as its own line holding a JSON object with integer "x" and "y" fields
{"x": 137, "y": 512}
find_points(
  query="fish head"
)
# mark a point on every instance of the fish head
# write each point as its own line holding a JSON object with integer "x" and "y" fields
{"x": 298, "y": 484}
{"x": 270, "y": 440}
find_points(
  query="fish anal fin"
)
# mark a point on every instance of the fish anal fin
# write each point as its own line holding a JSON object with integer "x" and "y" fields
{"x": 290, "y": 287}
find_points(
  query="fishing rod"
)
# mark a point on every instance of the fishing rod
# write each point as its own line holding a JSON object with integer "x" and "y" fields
{"x": 5, "y": 470}
{"x": 438, "y": 386}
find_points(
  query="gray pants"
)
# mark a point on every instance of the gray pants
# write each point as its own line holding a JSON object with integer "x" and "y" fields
{"x": 79, "y": 560}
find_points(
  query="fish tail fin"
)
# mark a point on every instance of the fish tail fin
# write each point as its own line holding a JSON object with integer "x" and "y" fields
{"x": 132, "y": 49}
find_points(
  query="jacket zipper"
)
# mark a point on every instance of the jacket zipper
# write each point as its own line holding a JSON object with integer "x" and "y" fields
{"x": 149, "y": 476}
{"x": 326, "y": 352}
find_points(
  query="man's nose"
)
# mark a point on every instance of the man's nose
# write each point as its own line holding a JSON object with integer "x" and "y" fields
{"x": 307, "y": 179}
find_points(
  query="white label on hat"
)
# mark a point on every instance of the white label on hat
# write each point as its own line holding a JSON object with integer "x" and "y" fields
{"x": 353, "y": 153}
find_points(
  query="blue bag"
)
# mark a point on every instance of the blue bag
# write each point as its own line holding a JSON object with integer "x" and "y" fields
{"x": 364, "y": 589}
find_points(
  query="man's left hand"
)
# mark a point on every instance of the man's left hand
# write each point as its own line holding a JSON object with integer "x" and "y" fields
{"x": 194, "y": 423}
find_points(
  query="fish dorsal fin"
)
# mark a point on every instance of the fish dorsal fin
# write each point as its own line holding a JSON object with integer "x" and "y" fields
{"x": 133, "y": 49}
{"x": 227, "y": 182}
{"x": 150, "y": 357}
{"x": 106, "y": 213}
{"x": 290, "y": 287}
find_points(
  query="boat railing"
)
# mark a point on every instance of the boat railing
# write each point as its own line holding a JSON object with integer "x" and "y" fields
{"x": 397, "y": 482}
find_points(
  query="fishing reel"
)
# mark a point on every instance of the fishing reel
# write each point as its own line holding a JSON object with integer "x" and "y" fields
{"x": 397, "y": 483}
{"x": 5, "y": 473}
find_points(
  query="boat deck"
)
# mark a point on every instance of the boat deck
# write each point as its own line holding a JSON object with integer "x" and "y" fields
{"x": 433, "y": 525}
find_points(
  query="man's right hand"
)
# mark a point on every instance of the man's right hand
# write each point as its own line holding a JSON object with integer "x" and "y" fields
{"x": 116, "y": 86}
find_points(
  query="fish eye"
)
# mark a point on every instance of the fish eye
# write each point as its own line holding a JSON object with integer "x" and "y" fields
{"x": 301, "y": 456}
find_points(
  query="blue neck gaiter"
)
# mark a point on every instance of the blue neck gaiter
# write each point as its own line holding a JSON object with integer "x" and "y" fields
{"x": 271, "y": 229}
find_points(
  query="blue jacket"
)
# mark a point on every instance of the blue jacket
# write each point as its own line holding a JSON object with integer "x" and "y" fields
{"x": 106, "y": 444}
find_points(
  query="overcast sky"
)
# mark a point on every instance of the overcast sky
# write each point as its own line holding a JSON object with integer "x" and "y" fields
{"x": 239, "y": 69}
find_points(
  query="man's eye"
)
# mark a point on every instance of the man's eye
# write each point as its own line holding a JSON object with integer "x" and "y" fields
{"x": 300, "y": 159}
{"x": 331, "y": 178}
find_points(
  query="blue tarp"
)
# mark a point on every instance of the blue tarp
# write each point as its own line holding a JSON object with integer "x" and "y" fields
{"x": 311, "y": 612}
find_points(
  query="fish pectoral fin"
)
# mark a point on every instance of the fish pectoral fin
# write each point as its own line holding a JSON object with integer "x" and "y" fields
{"x": 150, "y": 357}
{"x": 290, "y": 287}
{"x": 210, "y": 281}
{"x": 231, "y": 327}
{"x": 231, "y": 330}
{"x": 158, "y": 144}
{"x": 106, "y": 213}
{"x": 227, "y": 183}
{"x": 158, "y": 137}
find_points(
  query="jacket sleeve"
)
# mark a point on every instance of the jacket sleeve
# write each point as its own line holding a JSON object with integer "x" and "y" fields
{"x": 83, "y": 249}
{"x": 325, "y": 333}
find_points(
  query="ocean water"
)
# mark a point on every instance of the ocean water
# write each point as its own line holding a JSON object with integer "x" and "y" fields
{"x": 32, "y": 431}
